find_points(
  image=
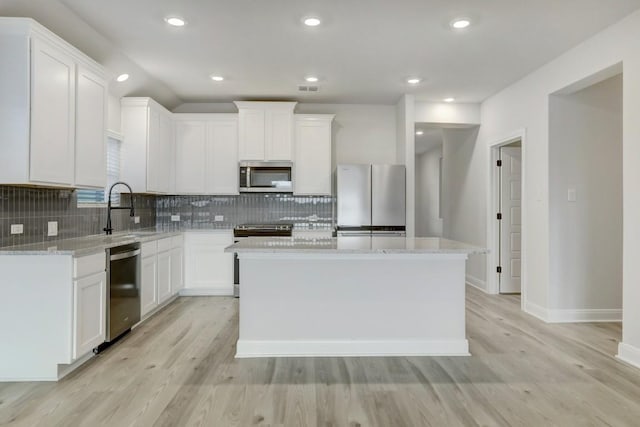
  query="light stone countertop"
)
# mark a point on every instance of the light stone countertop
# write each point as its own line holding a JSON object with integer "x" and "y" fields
{"x": 354, "y": 245}
{"x": 89, "y": 245}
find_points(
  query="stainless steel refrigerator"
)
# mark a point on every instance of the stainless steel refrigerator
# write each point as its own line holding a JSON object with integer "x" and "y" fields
{"x": 371, "y": 200}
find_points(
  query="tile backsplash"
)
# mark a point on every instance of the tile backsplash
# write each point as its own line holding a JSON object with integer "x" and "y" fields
{"x": 200, "y": 212}
{"x": 34, "y": 207}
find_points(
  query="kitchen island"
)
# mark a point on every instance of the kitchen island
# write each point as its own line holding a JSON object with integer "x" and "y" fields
{"x": 352, "y": 296}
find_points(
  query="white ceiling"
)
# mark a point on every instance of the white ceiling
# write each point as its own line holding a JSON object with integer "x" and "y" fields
{"x": 363, "y": 51}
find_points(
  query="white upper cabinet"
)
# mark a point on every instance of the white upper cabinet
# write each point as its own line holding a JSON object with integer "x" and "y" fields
{"x": 148, "y": 146}
{"x": 52, "y": 109}
{"x": 312, "y": 167}
{"x": 206, "y": 153}
{"x": 91, "y": 116}
{"x": 265, "y": 130}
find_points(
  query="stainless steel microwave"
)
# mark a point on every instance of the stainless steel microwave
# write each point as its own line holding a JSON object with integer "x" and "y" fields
{"x": 266, "y": 177}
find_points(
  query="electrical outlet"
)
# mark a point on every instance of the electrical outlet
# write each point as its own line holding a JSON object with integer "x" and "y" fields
{"x": 218, "y": 218}
{"x": 136, "y": 220}
{"x": 17, "y": 228}
{"x": 572, "y": 195}
{"x": 52, "y": 228}
{"x": 175, "y": 218}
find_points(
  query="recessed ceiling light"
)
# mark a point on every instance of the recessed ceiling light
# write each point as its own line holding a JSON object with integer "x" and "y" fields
{"x": 311, "y": 21}
{"x": 311, "y": 79}
{"x": 419, "y": 132}
{"x": 175, "y": 21}
{"x": 460, "y": 23}
{"x": 413, "y": 80}
{"x": 449, "y": 99}
{"x": 122, "y": 77}
{"x": 217, "y": 78}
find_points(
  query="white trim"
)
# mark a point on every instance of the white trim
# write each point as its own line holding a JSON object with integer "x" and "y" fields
{"x": 573, "y": 315}
{"x": 536, "y": 310}
{"x": 584, "y": 315}
{"x": 492, "y": 202}
{"x": 629, "y": 354}
{"x": 476, "y": 283}
{"x": 207, "y": 292}
{"x": 352, "y": 348}
{"x": 115, "y": 135}
{"x": 329, "y": 254}
{"x": 64, "y": 370}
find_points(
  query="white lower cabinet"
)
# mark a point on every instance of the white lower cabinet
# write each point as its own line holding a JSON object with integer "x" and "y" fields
{"x": 89, "y": 317}
{"x": 177, "y": 279}
{"x": 208, "y": 269}
{"x": 164, "y": 276}
{"x": 149, "y": 285}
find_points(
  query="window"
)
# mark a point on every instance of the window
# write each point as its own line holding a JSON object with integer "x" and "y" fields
{"x": 92, "y": 197}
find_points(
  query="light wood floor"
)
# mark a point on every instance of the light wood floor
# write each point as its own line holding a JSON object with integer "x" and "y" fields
{"x": 178, "y": 369}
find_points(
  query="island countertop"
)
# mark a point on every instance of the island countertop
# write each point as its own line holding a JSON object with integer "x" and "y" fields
{"x": 354, "y": 245}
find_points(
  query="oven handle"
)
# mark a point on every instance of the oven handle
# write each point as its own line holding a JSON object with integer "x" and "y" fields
{"x": 248, "y": 177}
{"x": 124, "y": 255}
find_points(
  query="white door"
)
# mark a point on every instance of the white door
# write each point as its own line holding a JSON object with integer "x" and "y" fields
{"x": 89, "y": 317}
{"x": 278, "y": 134}
{"x": 52, "y": 115}
{"x": 148, "y": 289}
{"x": 222, "y": 157}
{"x": 166, "y": 153}
{"x": 191, "y": 140}
{"x": 164, "y": 276}
{"x": 177, "y": 281}
{"x": 154, "y": 152}
{"x": 91, "y": 114}
{"x": 510, "y": 225}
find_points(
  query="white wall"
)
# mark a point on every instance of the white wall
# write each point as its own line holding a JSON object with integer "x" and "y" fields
{"x": 362, "y": 133}
{"x": 525, "y": 105}
{"x": 428, "y": 222}
{"x": 443, "y": 113}
{"x": 114, "y": 113}
{"x": 585, "y": 147}
{"x": 406, "y": 154}
{"x": 463, "y": 212}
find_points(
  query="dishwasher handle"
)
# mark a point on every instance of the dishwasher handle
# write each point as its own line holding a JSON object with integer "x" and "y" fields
{"x": 124, "y": 255}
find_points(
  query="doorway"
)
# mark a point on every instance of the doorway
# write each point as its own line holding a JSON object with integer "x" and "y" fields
{"x": 509, "y": 218}
{"x": 506, "y": 236}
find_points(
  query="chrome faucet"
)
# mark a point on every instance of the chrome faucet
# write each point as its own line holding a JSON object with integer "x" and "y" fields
{"x": 108, "y": 229}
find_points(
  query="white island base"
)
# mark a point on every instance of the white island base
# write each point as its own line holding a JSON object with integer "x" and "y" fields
{"x": 342, "y": 304}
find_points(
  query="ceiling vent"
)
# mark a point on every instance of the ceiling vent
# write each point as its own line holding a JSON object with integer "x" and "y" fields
{"x": 308, "y": 89}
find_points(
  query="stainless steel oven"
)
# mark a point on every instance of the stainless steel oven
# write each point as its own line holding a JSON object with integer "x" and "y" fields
{"x": 123, "y": 292}
{"x": 255, "y": 230}
{"x": 266, "y": 177}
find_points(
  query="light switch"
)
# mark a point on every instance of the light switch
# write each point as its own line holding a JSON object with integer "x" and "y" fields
{"x": 175, "y": 218}
{"x": 218, "y": 218}
{"x": 17, "y": 228}
{"x": 572, "y": 195}
{"x": 52, "y": 228}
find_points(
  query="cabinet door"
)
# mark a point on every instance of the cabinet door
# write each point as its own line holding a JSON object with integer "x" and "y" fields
{"x": 251, "y": 133}
{"x": 52, "y": 115}
{"x": 278, "y": 135}
{"x": 313, "y": 158}
{"x": 149, "y": 286}
{"x": 163, "y": 167}
{"x": 164, "y": 276}
{"x": 222, "y": 157}
{"x": 90, "y": 163}
{"x": 208, "y": 268}
{"x": 154, "y": 151}
{"x": 191, "y": 140}
{"x": 177, "y": 281}
{"x": 89, "y": 317}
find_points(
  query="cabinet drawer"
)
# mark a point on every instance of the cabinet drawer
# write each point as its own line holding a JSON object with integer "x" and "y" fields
{"x": 88, "y": 265}
{"x": 164, "y": 244}
{"x": 149, "y": 248}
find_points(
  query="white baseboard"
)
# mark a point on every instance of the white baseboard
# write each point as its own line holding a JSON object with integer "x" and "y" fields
{"x": 476, "y": 283}
{"x": 207, "y": 292}
{"x": 573, "y": 315}
{"x": 253, "y": 348}
{"x": 536, "y": 311}
{"x": 629, "y": 354}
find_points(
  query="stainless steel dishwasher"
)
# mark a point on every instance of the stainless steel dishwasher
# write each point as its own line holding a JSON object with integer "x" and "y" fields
{"x": 123, "y": 298}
